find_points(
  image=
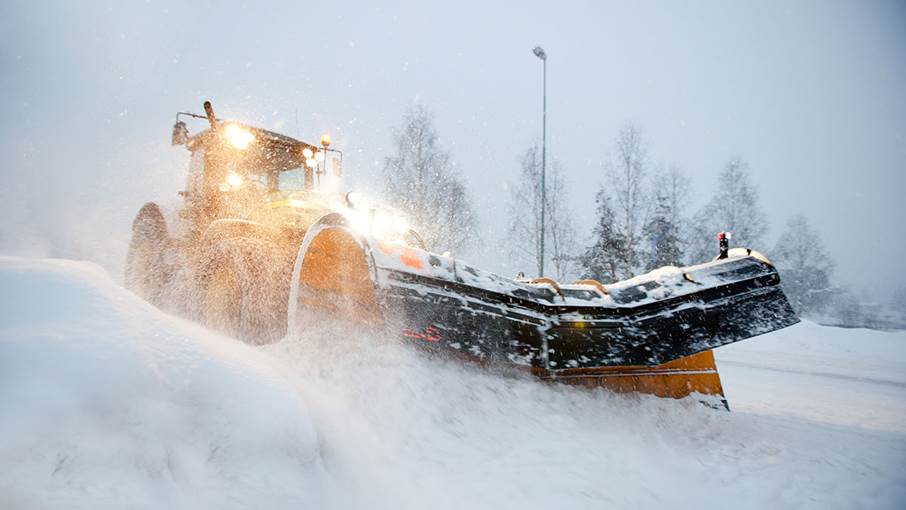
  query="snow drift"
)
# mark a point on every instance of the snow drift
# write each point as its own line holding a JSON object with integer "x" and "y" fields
{"x": 107, "y": 402}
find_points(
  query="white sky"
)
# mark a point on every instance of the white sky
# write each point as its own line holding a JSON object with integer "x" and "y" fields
{"x": 811, "y": 94}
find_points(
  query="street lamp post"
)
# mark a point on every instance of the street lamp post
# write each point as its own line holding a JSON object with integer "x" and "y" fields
{"x": 539, "y": 52}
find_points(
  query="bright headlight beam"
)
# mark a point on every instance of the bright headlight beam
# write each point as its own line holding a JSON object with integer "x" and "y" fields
{"x": 234, "y": 179}
{"x": 238, "y": 137}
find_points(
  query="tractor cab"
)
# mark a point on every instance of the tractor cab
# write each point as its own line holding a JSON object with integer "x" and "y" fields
{"x": 236, "y": 169}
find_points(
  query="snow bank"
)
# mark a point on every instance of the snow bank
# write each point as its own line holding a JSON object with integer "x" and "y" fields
{"x": 109, "y": 403}
{"x": 411, "y": 432}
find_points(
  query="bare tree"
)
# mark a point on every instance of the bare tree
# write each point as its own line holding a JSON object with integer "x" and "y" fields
{"x": 626, "y": 176}
{"x": 804, "y": 265}
{"x": 420, "y": 179}
{"x": 561, "y": 234}
{"x": 523, "y": 234}
{"x": 733, "y": 207}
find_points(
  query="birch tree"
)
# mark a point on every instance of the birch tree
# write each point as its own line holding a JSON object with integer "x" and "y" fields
{"x": 804, "y": 265}
{"x": 626, "y": 178}
{"x": 524, "y": 207}
{"x": 420, "y": 179}
{"x": 733, "y": 207}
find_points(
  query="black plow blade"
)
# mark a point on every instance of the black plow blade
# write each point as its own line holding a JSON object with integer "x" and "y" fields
{"x": 649, "y": 320}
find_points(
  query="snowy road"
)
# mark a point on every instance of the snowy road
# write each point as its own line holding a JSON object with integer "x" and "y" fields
{"x": 106, "y": 402}
{"x": 850, "y": 377}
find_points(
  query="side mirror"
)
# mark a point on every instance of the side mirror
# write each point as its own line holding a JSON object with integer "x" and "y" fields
{"x": 180, "y": 133}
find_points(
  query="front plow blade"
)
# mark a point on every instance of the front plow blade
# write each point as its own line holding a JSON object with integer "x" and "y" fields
{"x": 670, "y": 314}
{"x": 653, "y": 333}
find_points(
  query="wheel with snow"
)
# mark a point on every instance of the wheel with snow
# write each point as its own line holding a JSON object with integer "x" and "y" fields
{"x": 146, "y": 272}
{"x": 245, "y": 290}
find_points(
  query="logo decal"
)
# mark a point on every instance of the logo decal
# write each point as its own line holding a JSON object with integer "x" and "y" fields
{"x": 429, "y": 334}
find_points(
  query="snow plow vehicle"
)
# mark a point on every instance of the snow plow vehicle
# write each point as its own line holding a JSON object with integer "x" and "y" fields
{"x": 260, "y": 247}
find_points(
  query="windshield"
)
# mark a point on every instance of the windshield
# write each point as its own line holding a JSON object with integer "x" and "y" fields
{"x": 287, "y": 180}
{"x": 291, "y": 179}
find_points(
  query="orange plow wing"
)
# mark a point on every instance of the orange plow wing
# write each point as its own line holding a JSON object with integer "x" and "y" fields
{"x": 676, "y": 379}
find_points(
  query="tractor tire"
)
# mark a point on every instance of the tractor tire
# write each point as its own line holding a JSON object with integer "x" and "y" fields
{"x": 147, "y": 273}
{"x": 245, "y": 286}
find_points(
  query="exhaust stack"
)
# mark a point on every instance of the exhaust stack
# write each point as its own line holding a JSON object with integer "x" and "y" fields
{"x": 209, "y": 111}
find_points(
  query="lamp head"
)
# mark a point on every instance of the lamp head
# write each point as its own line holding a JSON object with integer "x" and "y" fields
{"x": 539, "y": 52}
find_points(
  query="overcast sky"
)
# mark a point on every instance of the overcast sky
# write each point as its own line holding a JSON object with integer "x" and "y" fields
{"x": 811, "y": 94}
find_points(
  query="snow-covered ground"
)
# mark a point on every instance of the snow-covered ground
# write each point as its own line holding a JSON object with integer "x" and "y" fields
{"x": 106, "y": 402}
{"x": 850, "y": 377}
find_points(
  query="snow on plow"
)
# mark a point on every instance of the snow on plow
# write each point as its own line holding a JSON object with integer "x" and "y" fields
{"x": 263, "y": 248}
{"x": 653, "y": 333}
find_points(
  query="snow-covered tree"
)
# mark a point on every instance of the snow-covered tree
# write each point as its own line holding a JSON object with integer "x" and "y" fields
{"x": 626, "y": 178}
{"x": 667, "y": 224}
{"x": 804, "y": 265}
{"x": 420, "y": 179}
{"x": 523, "y": 234}
{"x": 663, "y": 238}
{"x": 733, "y": 207}
{"x": 600, "y": 261}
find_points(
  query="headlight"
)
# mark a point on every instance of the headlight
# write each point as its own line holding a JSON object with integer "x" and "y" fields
{"x": 378, "y": 223}
{"x": 234, "y": 179}
{"x": 238, "y": 137}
